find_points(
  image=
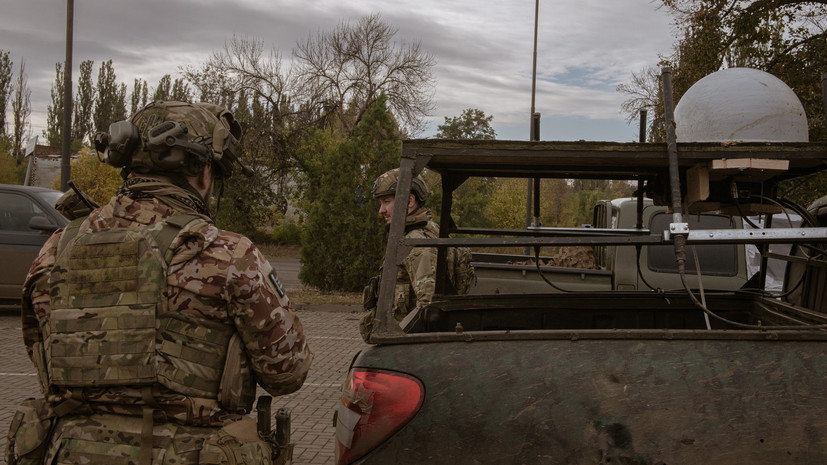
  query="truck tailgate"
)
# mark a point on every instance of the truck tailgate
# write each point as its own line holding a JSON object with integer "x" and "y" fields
{"x": 751, "y": 398}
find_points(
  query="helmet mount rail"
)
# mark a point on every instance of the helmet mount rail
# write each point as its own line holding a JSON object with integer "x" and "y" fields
{"x": 175, "y": 137}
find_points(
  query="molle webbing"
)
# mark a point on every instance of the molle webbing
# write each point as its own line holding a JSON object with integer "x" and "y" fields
{"x": 106, "y": 292}
{"x": 193, "y": 352}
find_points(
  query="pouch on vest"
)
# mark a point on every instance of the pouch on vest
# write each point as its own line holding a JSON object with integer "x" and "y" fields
{"x": 29, "y": 433}
{"x": 114, "y": 439}
{"x": 238, "y": 389}
{"x": 105, "y": 287}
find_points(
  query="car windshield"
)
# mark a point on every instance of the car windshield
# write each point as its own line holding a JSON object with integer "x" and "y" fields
{"x": 49, "y": 196}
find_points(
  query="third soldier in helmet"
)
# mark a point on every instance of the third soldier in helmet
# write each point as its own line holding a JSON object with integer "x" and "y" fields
{"x": 415, "y": 278}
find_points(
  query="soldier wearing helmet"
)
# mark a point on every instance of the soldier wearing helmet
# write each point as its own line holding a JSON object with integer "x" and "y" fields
{"x": 415, "y": 279}
{"x": 148, "y": 326}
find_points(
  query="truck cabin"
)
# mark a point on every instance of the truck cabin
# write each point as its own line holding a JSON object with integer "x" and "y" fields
{"x": 638, "y": 283}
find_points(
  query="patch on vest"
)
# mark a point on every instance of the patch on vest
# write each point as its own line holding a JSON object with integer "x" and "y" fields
{"x": 276, "y": 283}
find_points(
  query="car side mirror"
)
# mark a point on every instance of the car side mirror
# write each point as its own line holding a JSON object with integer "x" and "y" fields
{"x": 41, "y": 223}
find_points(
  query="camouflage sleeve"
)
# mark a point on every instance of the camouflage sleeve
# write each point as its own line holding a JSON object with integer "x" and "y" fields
{"x": 36, "y": 292}
{"x": 421, "y": 267}
{"x": 271, "y": 331}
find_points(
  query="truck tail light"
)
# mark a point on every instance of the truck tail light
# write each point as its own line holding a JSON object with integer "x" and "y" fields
{"x": 375, "y": 405}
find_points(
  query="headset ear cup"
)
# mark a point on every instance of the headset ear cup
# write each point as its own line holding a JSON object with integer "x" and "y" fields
{"x": 219, "y": 141}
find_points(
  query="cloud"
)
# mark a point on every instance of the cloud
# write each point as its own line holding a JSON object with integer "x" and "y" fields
{"x": 483, "y": 48}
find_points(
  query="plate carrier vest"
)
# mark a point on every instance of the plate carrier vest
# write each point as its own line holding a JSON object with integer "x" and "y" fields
{"x": 110, "y": 324}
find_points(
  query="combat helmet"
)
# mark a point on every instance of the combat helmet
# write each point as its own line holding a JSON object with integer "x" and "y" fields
{"x": 385, "y": 184}
{"x": 170, "y": 136}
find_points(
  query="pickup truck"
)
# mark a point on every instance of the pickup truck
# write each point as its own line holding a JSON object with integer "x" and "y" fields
{"x": 700, "y": 367}
{"x": 603, "y": 268}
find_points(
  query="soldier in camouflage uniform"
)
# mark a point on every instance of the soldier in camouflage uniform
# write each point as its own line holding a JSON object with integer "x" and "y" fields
{"x": 148, "y": 326}
{"x": 415, "y": 276}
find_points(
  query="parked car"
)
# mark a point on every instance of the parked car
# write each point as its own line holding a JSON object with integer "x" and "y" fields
{"x": 27, "y": 218}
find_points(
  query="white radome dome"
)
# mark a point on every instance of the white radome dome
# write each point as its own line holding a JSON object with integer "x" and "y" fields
{"x": 740, "y": 105}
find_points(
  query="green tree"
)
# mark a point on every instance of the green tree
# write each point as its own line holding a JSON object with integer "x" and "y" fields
{"x": 471, "y": 124}
{"x": 469, "y": 199}
{"x": 10, "y": 171}
{"x": 163, "y": 89}
{"x": 83, "y": 103}
{"x": 787, "y": 38}
{"x": 180, "y": 91}
{"x": 54, "y": 112}
{"x": 138, "y": 98}
{"x": 96, "y": 179}
{"x": 106, "y": 103}
{"x": 342, "y": 238}
{"x": 6, "y": 66}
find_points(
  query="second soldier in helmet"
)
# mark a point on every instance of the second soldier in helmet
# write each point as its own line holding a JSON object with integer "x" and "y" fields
{"x": 415, "y": 280}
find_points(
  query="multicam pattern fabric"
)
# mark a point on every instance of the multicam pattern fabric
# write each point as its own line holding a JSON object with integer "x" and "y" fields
{"x": 417, "y": 273}
{"x": 215, "y": 277}
{"x": 109, "y": 439}
{"x": 415, "y": 276}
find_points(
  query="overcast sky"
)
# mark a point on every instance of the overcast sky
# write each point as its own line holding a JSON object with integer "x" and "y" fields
{"x": 483, "y": 49}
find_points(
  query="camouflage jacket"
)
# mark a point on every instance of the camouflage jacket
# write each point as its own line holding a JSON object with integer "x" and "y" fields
{"x": 416, "y": 276}
{"x": 214, "y": 274}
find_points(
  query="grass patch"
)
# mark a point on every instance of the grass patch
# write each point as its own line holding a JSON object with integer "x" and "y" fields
{"x": 316, "y": 297}
{"x": 279, "y": 250}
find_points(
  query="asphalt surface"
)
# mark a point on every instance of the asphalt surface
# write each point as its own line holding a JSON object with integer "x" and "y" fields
{"x": 332, "y": 332}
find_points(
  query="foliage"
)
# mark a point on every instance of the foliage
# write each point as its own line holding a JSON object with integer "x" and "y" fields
{"x": 287, "y": 233}
{"x": 10, "y": 171}
{"x": 471, "y": 124}
{"x": 6, "y": 66}
{"x": 469, "y": 199}
{"x": 110, "y": 105}
{"x": 162, "y": 90}
{"x": 83, "y": 103}
{"x": 342, "y": 238}
{"x": 54, "y": 112}
{"x": 21, "y": 110}
{"x": 506, "y": 203}
{"x": 139, "y": 97}
{"x": 168, "y": 89}
{"x": 96, "y": 179}
{"x": 786, "y": 38}
{"x": 246, "y": 205}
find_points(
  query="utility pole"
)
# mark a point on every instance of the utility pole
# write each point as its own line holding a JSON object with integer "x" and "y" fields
{"x": 65, "y": 166}
{"x": 534, "y": 133}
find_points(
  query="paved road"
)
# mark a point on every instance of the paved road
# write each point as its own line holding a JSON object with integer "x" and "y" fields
{"x": 333, "y": 335}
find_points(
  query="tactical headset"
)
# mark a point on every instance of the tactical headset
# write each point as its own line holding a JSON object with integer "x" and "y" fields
{"x": 161, "y": 141}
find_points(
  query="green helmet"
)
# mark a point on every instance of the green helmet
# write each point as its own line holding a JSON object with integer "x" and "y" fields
{"x": 386, "y": 185}
{"x": 175, "y": 137}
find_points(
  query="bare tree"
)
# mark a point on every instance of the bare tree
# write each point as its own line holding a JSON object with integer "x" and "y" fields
{"x": 6, "y": 66}
{"x": 644, "y": 93}
{"x": 21, "y": 109}
{"x": 243, "y": 66}
{"x": 351, "y": 65}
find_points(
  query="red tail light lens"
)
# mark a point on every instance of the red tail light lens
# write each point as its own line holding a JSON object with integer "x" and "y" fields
{"x": 375, "y": 405}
